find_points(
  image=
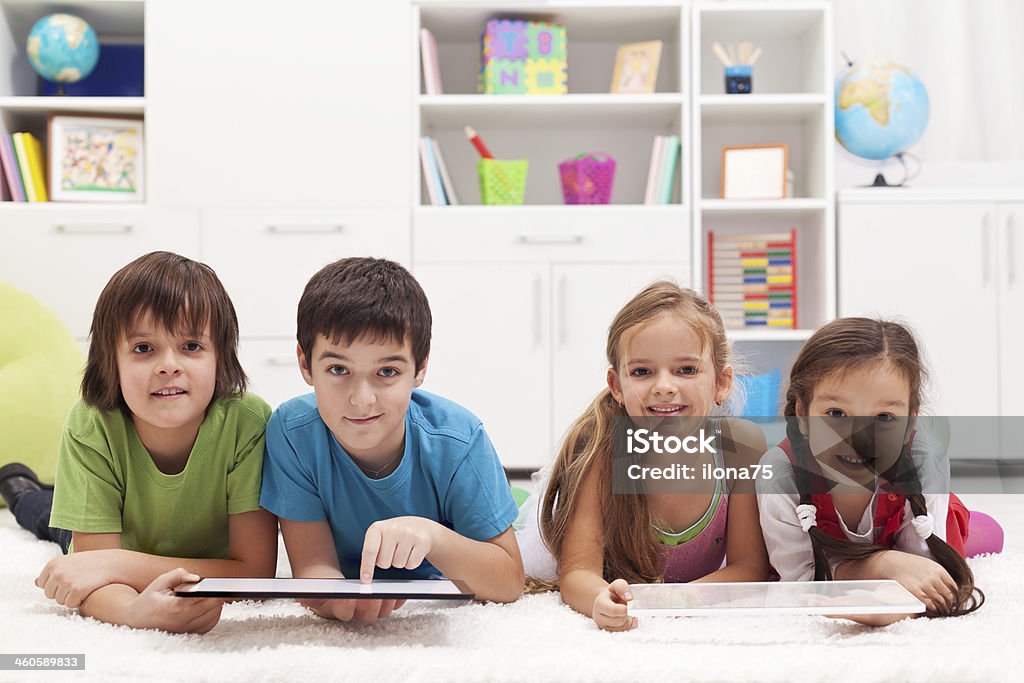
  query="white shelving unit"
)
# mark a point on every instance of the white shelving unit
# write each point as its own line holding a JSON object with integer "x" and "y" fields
{"x": 530, "y": 290}
{"x": 791, "y": 102}
{"x": 115, "y": 21}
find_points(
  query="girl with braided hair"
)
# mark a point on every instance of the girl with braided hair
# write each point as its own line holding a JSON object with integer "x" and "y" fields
{"x": 859, "y": 491}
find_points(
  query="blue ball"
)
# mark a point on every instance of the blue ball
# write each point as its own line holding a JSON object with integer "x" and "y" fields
{"x": 881, "y": 110}
{"x": 62, "y": 48}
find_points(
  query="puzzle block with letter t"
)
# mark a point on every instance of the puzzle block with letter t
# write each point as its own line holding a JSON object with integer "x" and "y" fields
{"x": 524, "y": 58}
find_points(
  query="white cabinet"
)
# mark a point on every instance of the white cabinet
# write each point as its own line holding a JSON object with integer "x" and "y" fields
{"x": 522, "y": 299}
{"x": 64, "y": 255}
{"x": 948, "y": 264}
{"x": 490, "y": 351}
{"x": 265, "y": 257}
{"x": 1010, "y": 248}
{"x": 523, "y": 345}
{"x": 273, "y": 369}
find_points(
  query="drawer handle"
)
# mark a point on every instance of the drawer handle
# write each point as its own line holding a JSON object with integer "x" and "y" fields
{"x": 280, "y": 361}
{"x": 92, "y": 228}
{"x": 305, "y": 229}
{"x": 551, "y": 239}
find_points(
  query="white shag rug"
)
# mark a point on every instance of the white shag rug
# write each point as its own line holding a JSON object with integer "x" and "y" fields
{"x": 534, "y": 639}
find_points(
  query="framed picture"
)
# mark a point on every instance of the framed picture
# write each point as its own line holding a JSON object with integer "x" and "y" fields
{"x": 96, "y": 159}
{"x": 636, "y": 67}
{"x": 754, "y": 172}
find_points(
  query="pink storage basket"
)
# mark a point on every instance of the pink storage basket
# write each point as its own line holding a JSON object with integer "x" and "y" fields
{"x": 587, "y": 178}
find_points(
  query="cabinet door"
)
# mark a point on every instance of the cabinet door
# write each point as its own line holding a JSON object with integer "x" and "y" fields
{"x": 933, "y": 266}
{"x": 273, "y": 369}
{"x": 490, "y": 352}
{"x": 255, "y": 104}
{"x": 64, "y": 255}
{"x": 1011, "y": 307}
{"x": 585, "y": 299}
{"x": 283, "y": 248}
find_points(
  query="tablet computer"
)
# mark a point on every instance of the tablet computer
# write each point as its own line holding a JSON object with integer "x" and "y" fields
{"x": 774, "y": 597}
{"x": 326, "y": 588}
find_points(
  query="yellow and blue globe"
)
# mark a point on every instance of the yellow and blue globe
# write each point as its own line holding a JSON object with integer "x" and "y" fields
{"x": 881, "y": 109}
{"x": 62, "y": 48}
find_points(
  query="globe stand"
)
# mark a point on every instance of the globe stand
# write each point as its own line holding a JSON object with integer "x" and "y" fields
{"x": 60, "y": 92}
{"x": 880, "y": 180}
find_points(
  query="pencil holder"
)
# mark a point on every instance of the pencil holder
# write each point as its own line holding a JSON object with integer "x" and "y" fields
{"x": 587, "y": 178}
{"x": 738, "y": 79}
{"x": 502, "y": 181}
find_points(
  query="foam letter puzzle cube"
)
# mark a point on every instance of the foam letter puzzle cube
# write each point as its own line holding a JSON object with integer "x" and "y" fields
{"x": 524, "y": 58}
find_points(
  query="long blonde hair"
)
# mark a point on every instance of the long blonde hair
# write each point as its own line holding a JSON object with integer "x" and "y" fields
{"x": 630, "y": 550}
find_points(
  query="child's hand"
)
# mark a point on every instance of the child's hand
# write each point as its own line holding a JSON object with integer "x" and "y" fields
{"x": 401, "y": 542}
{"x": 366, "y": 611}
{"x": 610, "y": 612}
{"x": 158, "y": 607}
{"x": 70, "y": 579}
{"x": 925, "y": 578}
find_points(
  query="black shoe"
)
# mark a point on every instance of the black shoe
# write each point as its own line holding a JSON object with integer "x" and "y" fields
{"x": 16, "y": 479}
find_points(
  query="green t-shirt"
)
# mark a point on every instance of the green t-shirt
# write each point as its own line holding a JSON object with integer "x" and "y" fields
{"x": 107, "y": 482}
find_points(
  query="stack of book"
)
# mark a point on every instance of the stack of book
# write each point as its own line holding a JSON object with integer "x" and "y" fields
{"x": 661, "y": 176}
{"x": 435, "y": 173}
{"x": 752, "y": 279}
{"x": 24, "y": 170}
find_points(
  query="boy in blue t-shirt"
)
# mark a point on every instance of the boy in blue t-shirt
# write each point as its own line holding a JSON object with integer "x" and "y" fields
{"x": 369, "y": 472}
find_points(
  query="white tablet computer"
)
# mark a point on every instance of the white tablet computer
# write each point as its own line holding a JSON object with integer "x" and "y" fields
{"x": 775, "y": 597}
{"x": 326, "y": 588}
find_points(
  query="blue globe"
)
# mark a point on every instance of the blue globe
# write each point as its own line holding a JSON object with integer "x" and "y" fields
{"x": 881, "y": 109}
{"x": 62, "y": 48}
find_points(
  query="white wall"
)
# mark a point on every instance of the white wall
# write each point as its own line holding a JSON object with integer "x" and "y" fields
{"x": 969, "y": 55}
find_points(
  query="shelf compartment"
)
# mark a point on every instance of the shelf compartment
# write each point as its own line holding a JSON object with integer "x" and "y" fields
{"x": 815, "y": 262}
{"x": 549, "y": 136}
{"x": 808, "y": 138}
{"x": 115, "y": 21}
{"x": 594, "y": 32}
{"x": 793, "y": 38}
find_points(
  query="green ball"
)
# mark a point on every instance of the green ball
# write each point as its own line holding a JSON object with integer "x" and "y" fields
{"x": 40, "y": 377}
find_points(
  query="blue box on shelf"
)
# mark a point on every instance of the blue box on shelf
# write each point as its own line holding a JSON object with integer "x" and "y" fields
{"x": 120, "y": 72}
{"x": 738, "y": 79}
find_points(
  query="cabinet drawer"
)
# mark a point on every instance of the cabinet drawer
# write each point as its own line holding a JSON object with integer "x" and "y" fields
{"x": 273, "y": 369}
{"x": 550, "y": 233}
{"x": 265, "y": 257}
{"x": 64, "y": 255}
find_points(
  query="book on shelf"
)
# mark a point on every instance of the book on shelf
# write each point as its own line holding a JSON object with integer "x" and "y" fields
{"x": 654, "y": 169}
{"x": 661, "y": 173}
{"x": 12, "y": 174}
{"x": 752, "y": 279}
{"x": 670, "y": 165}
{"x": 446, "y": 180}
{"x": 29, "y": 153}
{"x": 435, "y": 188}
{"x": 431, "y": 65}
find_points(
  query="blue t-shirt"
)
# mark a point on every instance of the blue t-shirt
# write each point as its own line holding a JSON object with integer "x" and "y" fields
{"x": 449, "y": 473}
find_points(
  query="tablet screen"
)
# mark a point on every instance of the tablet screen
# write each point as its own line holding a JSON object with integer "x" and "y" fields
{"x": 792, "y": 597}
{"x": 326, "y": 588}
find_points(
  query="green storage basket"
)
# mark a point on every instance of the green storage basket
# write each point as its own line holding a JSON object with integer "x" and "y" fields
{"x": 502, "y": 181}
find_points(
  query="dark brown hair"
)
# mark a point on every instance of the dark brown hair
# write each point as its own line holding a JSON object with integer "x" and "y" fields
{"x": 839, "y": 347}
{"x": 630, "y": 549}
{"x": 365, "y": 298}
{"x": 182, "y": 295}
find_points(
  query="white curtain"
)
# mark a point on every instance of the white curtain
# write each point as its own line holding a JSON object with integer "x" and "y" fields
{"x": 970, "y": 56}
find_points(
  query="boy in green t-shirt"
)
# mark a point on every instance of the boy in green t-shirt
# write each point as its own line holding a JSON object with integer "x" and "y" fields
{"x": 158, "y": 476}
